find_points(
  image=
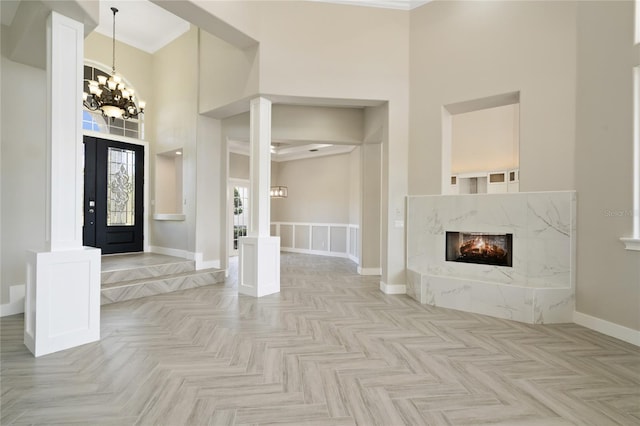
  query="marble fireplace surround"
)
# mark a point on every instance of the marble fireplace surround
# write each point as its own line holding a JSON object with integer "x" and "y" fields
{"x": 538, "y": 288}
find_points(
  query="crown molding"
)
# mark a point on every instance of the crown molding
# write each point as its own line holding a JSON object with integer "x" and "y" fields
{"x": 384, "y": 4}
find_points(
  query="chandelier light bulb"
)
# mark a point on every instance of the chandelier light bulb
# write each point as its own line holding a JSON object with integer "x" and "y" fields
{"x": 102, "y": 79}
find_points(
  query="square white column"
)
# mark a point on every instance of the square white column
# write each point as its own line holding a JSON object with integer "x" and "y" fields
{"x": 62, "y": 296}
{"x": 259, "y": 263}
{"x": 62, "y": 301}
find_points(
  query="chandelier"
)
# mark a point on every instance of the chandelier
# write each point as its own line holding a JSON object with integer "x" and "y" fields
{"x": 279, "y": 192}
{"x": 110, "y": 96}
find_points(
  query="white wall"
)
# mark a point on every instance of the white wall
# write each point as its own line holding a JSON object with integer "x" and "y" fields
{"x": 23, "y": 156}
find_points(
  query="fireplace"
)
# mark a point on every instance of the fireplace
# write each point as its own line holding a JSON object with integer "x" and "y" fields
{"x": 480, "y": 247}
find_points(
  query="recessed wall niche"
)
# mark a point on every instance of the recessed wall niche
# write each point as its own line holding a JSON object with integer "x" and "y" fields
{"x": 481, "y": 145}
{"x": 168, "y": 191}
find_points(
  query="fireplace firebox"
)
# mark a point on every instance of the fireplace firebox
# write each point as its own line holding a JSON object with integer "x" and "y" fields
{"x": 480, "y": 247}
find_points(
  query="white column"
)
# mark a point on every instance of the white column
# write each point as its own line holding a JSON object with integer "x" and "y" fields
{"x": 260, "y": 165}
{"x": 62, "y": 300}
{"x": 259, "y": 263}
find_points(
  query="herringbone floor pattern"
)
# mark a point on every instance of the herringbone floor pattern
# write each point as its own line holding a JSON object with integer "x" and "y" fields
{"x": 330, "y": 349}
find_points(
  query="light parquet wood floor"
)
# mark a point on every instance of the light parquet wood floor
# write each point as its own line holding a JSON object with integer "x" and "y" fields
{"x": 329, "y": 349}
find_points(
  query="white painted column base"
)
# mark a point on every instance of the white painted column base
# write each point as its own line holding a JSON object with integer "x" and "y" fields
{"x": 62, "y": 301}
{"x": 259, "y": 266}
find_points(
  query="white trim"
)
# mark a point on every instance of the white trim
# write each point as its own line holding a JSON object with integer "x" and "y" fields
{"x": 189, "y": 255}
{"x": 621, "y": 332}
{"x": 631, "y": 243}
{"x": 393, "y": 288}
{"x": 308, "y": 250}
{"x": 384, "y": 4}
{"x": 173, "y": 252}
{"x": 12, "y": 308}
{"x": 16, "y": 301}
{"x": 635, "y": 213}
{"x": 205, "y": 264}
{"x": 369, "y": 271}
{"x": 315, "y": 252}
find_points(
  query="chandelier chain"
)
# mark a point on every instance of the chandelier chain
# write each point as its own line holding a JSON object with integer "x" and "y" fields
{"x": 114, "y": 10}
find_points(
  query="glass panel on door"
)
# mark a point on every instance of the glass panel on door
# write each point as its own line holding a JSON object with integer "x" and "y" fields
{"x": 121, "y": 182}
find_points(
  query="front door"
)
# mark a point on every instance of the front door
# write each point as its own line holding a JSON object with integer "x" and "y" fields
{"x": 113, "y": 195}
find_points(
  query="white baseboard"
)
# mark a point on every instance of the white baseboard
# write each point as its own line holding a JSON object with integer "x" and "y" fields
{"x": 316, "y": 252}
{"x": 173, "y": 252}
{"x": 393, "y": 288}
{"x": 369, "y": 271}
{"x": 197, "y": 257}
{"x": 207, "y": 264}
{"x": 16, "y": 301}
{"x": 626, "y": 334}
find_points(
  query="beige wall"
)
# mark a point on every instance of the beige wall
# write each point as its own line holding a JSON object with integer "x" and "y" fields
{"x": 210, "y": 193}
{"x": 174, "y": 115}
{"x": 239, "y": 166}
{"x": 318, "y": 190}
{"x": 485, "y": 140}
{"x": 168, "y": 200}
{"x": 462, "y": 51}
{"x": 608, "y": 276}
{"x": 227, "y": 73}
{"x": 317, "y": 124}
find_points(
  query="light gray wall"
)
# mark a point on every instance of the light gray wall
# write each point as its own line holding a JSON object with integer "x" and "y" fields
{"x": 608, "y": 276}
{"x": 23, "y": 161}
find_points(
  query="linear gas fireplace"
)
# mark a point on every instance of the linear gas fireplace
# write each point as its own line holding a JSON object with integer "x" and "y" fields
{"x": 480, "y": 247}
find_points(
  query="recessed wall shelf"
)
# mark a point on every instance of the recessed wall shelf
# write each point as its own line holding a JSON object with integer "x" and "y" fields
{"x": 495, "y": 182}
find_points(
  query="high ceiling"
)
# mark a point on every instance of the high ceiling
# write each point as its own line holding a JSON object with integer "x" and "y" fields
{"x": 149, "y": 27}
{"x": 141, "y": 24}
